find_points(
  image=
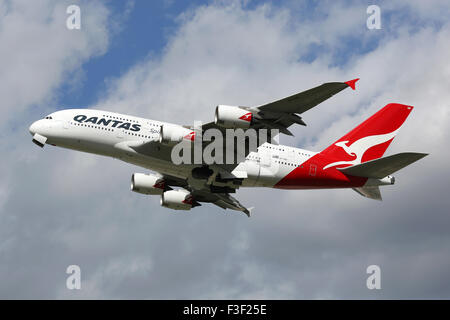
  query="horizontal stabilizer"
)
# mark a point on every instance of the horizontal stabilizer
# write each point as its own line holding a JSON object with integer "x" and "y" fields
{"x": 382, "y": 167}
{"x": 369, "y": 192}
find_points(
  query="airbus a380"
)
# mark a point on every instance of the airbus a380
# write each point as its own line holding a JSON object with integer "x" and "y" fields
{"x": 353, "y": 161}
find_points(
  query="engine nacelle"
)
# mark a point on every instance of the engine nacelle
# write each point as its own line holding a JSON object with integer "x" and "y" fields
{"x": 177, "y": 200}
{"x": 147, "y": 183}
{"x": 232, "y": 117}
{"x": 172, "y": 134}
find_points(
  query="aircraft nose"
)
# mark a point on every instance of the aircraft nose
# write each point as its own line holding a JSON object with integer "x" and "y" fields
{"x": 34, "y": 128}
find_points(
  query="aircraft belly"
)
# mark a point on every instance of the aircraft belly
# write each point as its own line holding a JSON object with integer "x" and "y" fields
{"x": 95, "y": 147}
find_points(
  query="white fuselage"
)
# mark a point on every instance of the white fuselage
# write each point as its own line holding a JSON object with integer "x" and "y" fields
{"x": 117, "y": 134}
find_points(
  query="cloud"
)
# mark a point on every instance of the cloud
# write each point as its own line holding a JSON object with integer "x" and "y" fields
{"x": 38, "y": 55}
{"x": 39, "y": 52}
{"x": 298, "y": 244}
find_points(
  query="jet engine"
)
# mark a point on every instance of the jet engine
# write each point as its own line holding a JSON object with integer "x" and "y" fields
{"x": 147, "y": 183}
{"x": 177, "y": 200}
{"x": 232, "y": 117}
{"x": 172, "y": 134}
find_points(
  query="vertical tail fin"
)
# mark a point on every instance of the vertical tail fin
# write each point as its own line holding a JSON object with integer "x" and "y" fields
{"x": 370, "y": 139}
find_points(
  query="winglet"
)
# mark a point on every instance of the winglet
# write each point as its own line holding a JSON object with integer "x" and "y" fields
{"x": 248, "y": 211}
{"x": 351, "y": 83}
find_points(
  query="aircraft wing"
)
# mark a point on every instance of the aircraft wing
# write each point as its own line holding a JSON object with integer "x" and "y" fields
{"x": 220, "y": 199}
{"x": 303, "y": 101}
{"x": 282, "y": 113}
{"x": 223, "y": 200}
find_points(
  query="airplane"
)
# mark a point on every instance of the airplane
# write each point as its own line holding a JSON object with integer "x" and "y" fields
{"x": 353, "y": 161}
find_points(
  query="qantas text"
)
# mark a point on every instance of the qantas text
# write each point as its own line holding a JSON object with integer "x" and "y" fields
{"x": 107, "y": 122}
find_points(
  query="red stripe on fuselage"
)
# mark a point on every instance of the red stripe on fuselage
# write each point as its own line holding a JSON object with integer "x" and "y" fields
{"x": 310, "y": 175}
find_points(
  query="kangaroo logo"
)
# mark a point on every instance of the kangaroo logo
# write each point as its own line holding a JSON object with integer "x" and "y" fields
{"x": 160, "y": 184}
{"x": 189, "y": 200}
{"x": 359, "y": 147}
{"x": 246, "y": 117}
{"x": 190, "y": 136}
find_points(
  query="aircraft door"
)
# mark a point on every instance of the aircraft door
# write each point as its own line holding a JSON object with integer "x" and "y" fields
{"x": 265, "y": 157}
{"x": 313, "y": 169}
{"x": 120, "y": 133}
{"x": 291, "y": 155}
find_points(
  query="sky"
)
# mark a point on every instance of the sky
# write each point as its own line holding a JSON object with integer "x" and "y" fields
{"x": 175, "y": 61}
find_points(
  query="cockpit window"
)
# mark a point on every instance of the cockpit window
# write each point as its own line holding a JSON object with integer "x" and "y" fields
{"x": 48, "y": 117}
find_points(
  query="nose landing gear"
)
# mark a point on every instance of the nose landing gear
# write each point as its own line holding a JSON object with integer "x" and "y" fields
{"x": 39, "y": 140}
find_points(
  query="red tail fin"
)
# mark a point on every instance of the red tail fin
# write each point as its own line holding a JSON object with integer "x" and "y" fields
{"x": 371, "y": 138}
